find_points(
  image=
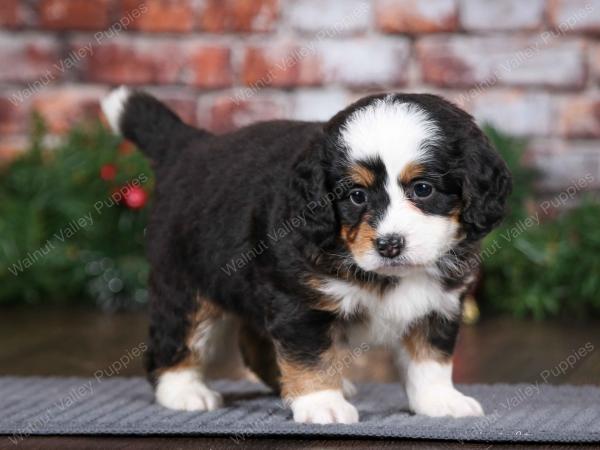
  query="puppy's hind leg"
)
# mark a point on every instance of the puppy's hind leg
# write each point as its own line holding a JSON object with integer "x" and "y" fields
{"x": 181, "y": 333}
{"x": 258, "y": 353}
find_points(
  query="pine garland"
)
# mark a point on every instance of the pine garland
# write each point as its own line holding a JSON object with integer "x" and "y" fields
{"x": 69, "y": 232}
{"x": 72, "y": 228}
{"x": 536, "y": 265}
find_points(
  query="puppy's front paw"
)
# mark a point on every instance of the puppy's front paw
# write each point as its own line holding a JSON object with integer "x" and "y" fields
{"x": 184, "y": 390}
{"x": 444, "y": 401}
{"x": 323, "y": 407}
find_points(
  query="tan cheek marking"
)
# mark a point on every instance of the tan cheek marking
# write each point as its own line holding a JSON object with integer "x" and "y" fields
{"x": 361, "y": 175}
{"x": 410, "y": 172}
{"x": 455, "y": 215}
{"x": 360, "y": 238}
{"x": 455, "y": 219}
{"x": 419, "y": 348}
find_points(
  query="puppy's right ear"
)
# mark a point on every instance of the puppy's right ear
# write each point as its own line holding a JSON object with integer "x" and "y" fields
{"x": 486, "y": 185}
{"x": 311, "y": 195}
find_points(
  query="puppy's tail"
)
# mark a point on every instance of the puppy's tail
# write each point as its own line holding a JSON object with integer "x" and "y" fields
{"x": 148, "y": 123}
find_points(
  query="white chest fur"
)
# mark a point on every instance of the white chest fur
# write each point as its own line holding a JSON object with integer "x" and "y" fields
{"x": 389, "y": 314}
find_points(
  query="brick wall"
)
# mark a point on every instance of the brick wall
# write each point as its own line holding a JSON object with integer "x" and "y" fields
{"x": 530, "y": 67}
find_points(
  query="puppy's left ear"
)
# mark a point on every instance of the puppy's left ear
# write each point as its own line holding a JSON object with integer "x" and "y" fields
{"x": 486, "y": 185}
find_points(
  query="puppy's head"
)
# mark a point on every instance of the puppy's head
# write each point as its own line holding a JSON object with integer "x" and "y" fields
{"x": 414, "y": 176}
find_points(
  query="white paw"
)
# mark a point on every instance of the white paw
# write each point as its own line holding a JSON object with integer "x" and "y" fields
{"x": 348, "y": 388}
{"x": 444, "y": 401}
{"x": 323, "y": 407}
{"x": 184, "y": 390}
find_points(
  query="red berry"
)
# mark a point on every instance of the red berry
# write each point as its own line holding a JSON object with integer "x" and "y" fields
{"x": 126, "y": 147}
{"x": 135, "y": 197}
{"x": 108, "y": 172}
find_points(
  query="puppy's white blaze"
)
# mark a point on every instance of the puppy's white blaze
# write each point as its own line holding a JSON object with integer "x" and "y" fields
{"x": 323, "y": 407}
{"x": 427, "y": 237}
{"x": 114, "y": 105}
{"x": 430, "y": 390}
{"x": 184, "y": 390}
{"x": 395, "y": 132}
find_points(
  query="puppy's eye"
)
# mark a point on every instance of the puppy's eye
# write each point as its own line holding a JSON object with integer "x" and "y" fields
{"x": 358, "y": 196}
{"x": 422, "y": 189}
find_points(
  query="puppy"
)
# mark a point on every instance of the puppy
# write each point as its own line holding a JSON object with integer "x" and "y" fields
{"x": 314, "y": 239}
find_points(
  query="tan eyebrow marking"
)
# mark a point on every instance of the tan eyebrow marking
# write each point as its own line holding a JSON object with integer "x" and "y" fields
{"x": 410, "y": 172}
{"x": 361, "y": 175}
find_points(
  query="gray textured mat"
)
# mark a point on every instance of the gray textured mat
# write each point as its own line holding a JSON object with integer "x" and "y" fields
{"x": 534, "y": 413}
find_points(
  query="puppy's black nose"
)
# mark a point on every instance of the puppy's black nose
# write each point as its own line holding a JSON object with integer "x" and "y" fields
{"x": 390, "y": 246}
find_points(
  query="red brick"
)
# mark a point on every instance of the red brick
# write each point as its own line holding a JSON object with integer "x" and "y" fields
{"x": 579, "y": 117}
{"x": 574, "y": 15}
{"x": 318, "y": 104}
{"x": 374, "y": 63}
{"x": 62, "y": 108}
{"x": 14, "y": 114}
{"x": 11, "y": 147}
{"x": 329, "y": 17}
{"x": 239, "y": 15}
{"x": 207, "y": 66}
{"x": 483, "y": 15}
{"x": 472, "y": 61}
{"x": 183, "y": 102}
{"x": 134, "y": 61}
{"x": 161, "y": 15}
{"x": 565, "y": 163}
{"x": 227, "y": 113}
{"x": 142, "y": 60}
{"x": 365, "y": 63}
{"x": 74, "y": 14}
{"x": 29, "y": 59}
{"x": 281, "y": 66}
{"x": 594, "y": 58}
{"x": 11, "y": 14}
{"x": 414, "y": 16}
{"x": 514, "y": 112}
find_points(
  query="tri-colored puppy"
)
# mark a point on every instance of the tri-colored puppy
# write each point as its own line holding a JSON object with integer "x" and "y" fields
{"x": 314, "y": 239}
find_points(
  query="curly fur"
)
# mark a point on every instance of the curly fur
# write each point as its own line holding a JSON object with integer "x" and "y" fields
{"x": 252, "y": 220}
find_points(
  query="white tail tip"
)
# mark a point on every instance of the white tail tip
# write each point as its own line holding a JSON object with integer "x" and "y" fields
{"x": 114, "y": 105}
